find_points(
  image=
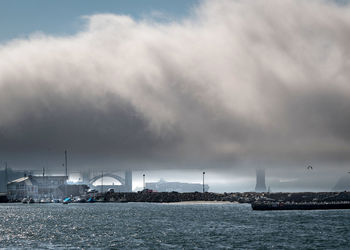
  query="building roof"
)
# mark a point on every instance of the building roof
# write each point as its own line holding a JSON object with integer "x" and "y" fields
{"x": 49, "y": 177}
{"x": 28, "y": 179}
{"x": 19, "y": 180}
{"x": 35, "y": 179}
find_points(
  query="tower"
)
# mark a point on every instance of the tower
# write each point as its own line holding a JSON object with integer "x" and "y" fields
{"x": 128, "y": 181}
{"x": 260, "y": 181}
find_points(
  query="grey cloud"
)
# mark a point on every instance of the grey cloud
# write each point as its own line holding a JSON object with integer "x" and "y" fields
{"x": 238, "y": 83}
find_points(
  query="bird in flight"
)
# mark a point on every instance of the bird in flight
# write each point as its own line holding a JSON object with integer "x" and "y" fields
{"x": 309, "y": 167}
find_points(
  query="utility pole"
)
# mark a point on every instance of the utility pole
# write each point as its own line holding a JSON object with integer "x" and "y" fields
{"x": 6, "y": 174}
{"x": 65, "y": 165}
{"x": 102, "y": 183}
{"x": 203, "y": 181}
{"x": 144, "y": 182}
{"x": 45, "y": 182}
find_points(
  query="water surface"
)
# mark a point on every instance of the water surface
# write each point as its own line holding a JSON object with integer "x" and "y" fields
{"x": 162, "y": 226}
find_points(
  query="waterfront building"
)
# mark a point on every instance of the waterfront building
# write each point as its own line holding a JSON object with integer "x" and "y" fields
{"x": 21, "y": 188}
{"x": 71, "y": 190}
{"x": 7, "y": 175}
{"x": 36, "y": 187}
{"x": 165, "y": 186}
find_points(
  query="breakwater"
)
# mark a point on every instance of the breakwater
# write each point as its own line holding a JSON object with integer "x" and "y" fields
{"x": 300, "y": 206}
{"x": 247, "y": 197}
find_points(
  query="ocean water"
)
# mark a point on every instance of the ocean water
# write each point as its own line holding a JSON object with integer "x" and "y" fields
{"x": 169, "y": 226}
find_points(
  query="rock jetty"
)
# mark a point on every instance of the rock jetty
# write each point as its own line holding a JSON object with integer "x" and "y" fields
{"x": 247, "y": 197}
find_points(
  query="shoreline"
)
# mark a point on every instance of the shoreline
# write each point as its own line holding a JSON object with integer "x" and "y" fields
{"x": 212, "y": 198}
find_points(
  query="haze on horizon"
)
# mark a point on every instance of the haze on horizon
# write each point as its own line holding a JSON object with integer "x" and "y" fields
{"x": 231, "y": 87}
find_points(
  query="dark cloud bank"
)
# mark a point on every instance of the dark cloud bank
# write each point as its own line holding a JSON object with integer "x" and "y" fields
{"x": 238, "y": 83}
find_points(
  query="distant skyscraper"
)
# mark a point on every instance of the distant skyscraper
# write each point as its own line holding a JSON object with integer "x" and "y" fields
{"x": 260, "y": 181}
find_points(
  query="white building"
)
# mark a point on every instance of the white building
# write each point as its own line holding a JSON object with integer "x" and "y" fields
{"x": 165, "y": 186}
{"x": 35, "y": 187}
{"x": 21, "y": 188}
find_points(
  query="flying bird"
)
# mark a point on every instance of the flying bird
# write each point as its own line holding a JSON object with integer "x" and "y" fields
{"x": 309, "y": 167}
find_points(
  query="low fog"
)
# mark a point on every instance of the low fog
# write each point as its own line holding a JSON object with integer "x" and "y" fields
{"x": 235, "y": 86}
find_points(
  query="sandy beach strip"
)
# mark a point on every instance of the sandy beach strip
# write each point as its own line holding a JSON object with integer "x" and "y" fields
{"x": 200, "y": 202}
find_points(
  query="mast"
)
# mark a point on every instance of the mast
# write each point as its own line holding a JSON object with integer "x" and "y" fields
{"x": 65, "y": 162}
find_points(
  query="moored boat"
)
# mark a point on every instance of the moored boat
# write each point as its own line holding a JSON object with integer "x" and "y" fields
{"x": 67, "y": 200}
{"x": 79, "y": 200}
{"x": 44, "y": 200}
{"x": 91, "y": 200}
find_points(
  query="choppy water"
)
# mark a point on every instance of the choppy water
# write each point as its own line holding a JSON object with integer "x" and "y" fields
{"x": 162, "y": 226}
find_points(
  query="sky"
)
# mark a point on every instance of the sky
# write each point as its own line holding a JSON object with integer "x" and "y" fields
{"x": 179, "y": 87}
{"x": 22, "y": 18}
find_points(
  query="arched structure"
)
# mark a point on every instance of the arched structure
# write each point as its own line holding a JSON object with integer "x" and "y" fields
{"x": 114, "y": 176}
{"x": 126, "y": 183}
